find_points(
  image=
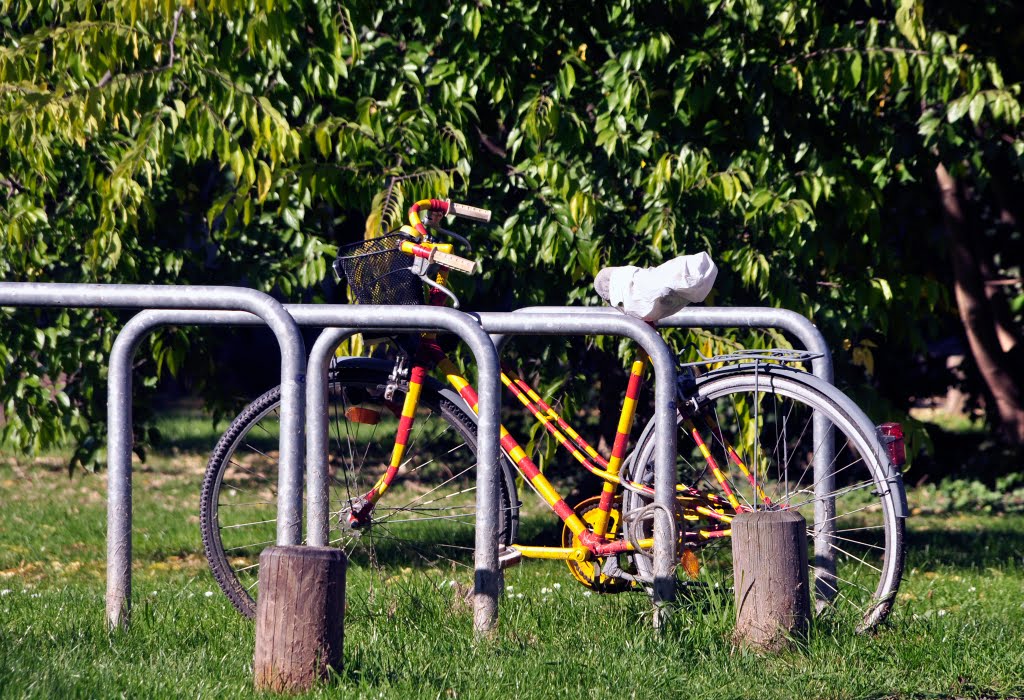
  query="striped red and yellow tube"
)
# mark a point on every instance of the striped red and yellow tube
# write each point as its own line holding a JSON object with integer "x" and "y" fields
{"x": 519, "y": 457}
{"x": 416, "y": 378}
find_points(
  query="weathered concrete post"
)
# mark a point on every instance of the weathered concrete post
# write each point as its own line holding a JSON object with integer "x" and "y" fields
{"x": 300, "y": 614}
{"x": 769, "y": 556}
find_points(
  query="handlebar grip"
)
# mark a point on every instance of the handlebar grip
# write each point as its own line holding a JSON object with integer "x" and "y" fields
{"x": 465, "y": 211}
{"x": 455, "y": 262}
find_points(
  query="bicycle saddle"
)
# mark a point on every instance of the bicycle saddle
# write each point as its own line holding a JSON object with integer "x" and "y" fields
{"x": 653, "y": 293}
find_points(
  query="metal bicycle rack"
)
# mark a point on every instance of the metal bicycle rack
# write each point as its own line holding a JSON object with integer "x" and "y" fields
{"x": 209, "y": 305}
{"x": 540, "y": 322}
{"x": 119, "y": 438}
{"x": 345, "y": 320}
{"x": 521, "y": 324}
{"x": 342, "y": 320}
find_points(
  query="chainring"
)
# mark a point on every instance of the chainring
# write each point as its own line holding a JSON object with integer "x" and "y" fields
{"x": 583, "y": 571}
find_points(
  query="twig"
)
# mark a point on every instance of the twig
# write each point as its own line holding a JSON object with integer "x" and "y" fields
{"x": 174, "y": 35}
{"x": 11, "y": 185}
{"x": 854, "y": 49}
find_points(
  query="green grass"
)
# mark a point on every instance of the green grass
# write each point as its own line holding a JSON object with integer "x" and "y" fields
{"x": 955, "y": 633}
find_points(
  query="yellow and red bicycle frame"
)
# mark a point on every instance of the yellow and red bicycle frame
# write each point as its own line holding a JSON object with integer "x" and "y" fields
{"x": 593, "y": 537}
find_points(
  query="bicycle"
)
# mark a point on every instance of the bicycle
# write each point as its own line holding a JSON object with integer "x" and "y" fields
{"x": 404, "y": 451}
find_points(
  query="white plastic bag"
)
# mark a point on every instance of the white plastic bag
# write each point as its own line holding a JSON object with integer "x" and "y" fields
{"x": 654, "y": 293}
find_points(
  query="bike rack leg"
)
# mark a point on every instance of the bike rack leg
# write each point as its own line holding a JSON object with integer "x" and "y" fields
{"x": 318, "y": 512}
{"x": 119, "y": 475}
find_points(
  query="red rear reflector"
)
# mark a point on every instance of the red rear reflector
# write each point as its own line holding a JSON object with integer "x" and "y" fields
{"x": 366, "y": 416}
{"x": 892, "y": 438}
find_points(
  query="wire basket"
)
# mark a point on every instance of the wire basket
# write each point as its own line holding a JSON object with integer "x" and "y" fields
{"x": 378, "y": 272}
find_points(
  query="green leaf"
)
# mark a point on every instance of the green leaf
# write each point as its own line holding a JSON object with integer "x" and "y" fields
{"x": 291, "y": 219}
{"x": 855, "y": 70}
{"x": 237, "y": 163}
{"x": 956, "y": 109}
{"x": 566, "y": 80}
{"x": 471, "y": 21}
{"x": 977, "y": 107}
{"x": 883, "y": 286}
{"x": 910, "y": 21}
{"x": 263, "y": 180}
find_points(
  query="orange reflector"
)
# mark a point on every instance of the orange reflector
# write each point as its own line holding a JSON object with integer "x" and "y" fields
{"x": 690, "y": 563}
{"x": 366, "y": 416}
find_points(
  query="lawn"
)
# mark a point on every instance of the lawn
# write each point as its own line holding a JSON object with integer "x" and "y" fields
{"x": 958, "y": 630}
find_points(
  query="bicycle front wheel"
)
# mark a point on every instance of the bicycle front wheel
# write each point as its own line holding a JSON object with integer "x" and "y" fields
{"x": 756, "y": 430}
{"x": 424, "y": 523}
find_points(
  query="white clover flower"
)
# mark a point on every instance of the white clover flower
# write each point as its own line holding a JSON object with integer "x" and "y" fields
{"x": 519, "y": 595}
{"x": 972, "y": 589}
{"x": 942, "y": 613}
{"x": 545, "y": 590}
{"x": 556, "y": 586}
{"x": 208, "y": 594}
{"x": 6, "y": 591}
{"x": 588, "y": 593}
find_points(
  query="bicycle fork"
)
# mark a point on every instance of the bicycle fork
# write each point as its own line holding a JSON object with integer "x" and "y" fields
{"x": 361, "y": 508}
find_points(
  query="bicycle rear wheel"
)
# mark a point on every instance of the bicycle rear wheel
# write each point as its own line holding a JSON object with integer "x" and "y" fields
{"x": 758, "y": 431}
{"x": 424, "y": 523}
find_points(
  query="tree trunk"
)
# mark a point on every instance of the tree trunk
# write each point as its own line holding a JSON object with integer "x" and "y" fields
{"x": 976, "y": 314}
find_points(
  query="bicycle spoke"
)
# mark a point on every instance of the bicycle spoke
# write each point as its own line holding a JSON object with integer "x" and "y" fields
{"x": 254, "y": 545}
{"x": 854, "y": 556}
{"x": 258, "y": 522}
{"x": 856, "y": 542}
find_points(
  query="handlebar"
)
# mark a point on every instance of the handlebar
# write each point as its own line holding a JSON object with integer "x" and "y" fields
{"x": 449, "y": 260}
{"x": 465, "y": 211}
{"x": 445, "y": 207}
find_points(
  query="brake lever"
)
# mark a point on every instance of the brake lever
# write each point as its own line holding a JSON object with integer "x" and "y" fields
{"x": 462, "y": 240}
{"x": 442, "y": 288}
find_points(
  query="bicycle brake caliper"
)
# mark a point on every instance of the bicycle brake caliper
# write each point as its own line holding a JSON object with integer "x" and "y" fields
{"x": 399, "y": 374}
{"x": 686, "y": 389}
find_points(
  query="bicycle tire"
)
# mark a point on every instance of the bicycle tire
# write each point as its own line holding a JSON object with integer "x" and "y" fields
{"x": 435, "y": 486}
{"x": 868, "y": 541}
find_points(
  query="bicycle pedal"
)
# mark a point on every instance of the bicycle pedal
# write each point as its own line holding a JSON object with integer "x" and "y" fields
{"x": 508, "y": 557}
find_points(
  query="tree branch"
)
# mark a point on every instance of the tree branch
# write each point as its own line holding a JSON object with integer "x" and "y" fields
{"x": 855, "y": 49}
{"x": 174, "y": 34}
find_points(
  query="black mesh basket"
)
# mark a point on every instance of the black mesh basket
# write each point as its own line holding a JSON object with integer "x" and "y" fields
{"x": 378, "y": 272}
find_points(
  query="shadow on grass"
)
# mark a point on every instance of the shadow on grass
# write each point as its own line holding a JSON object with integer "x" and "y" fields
{"x": 932, "y": 543}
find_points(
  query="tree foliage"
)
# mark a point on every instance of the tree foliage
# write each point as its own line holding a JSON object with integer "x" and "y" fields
{"x": 238, "y": 142}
